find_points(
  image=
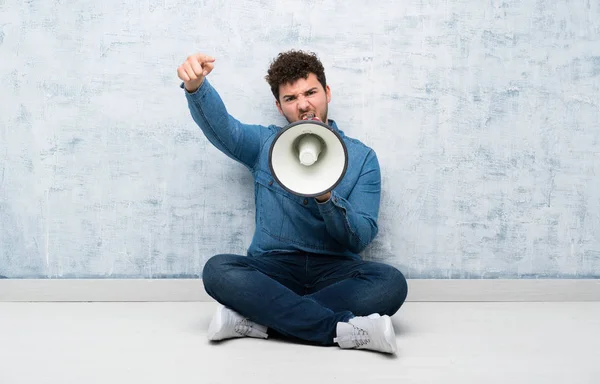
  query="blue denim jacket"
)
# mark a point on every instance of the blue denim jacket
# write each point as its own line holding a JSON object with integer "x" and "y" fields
{"x": 342, "y": 226}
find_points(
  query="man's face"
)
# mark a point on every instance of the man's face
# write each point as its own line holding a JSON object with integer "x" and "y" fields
{"x": 304, "y": 99}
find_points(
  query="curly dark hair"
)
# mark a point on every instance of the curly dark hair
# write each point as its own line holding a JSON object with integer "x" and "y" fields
{"x": 292, "y": 65}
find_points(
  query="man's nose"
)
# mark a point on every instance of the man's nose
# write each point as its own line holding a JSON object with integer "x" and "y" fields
{"x": 303, "y": 103}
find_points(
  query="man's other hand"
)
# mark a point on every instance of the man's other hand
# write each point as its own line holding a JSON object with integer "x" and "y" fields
{"x": 194, "y": 69}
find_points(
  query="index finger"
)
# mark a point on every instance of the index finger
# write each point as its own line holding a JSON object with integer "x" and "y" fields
{"x": 204, "y": 58}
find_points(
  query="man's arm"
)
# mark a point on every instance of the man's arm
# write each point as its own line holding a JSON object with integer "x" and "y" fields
{"x": 239, "y": 141}
{"x": 353, "y": 221}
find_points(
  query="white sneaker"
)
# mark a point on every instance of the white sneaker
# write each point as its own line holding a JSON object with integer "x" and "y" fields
{"x": 227, "y": 324}
{"x": 372, "y": 332}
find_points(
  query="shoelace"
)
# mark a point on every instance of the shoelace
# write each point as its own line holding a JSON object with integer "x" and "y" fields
{"x": 360, "y": 337}
{"x": 243, "y": 327}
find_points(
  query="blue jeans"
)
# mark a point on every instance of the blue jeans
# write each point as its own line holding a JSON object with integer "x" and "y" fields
{"x": 304, "y": 296}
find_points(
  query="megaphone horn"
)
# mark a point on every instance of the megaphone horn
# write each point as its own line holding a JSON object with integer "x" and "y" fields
{"x": 308, "y": 158}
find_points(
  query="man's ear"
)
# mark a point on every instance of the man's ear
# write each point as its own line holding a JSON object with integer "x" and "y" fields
{"x": 328, "y": 93}
{"x": 279, "y": 107}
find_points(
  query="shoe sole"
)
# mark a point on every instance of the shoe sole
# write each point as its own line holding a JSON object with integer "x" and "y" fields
{"x": 213, "y": 328}
{"x": 390, "y": 335}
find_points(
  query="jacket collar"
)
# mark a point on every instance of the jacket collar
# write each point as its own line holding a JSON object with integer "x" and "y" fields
{"x": 334, "y": 126}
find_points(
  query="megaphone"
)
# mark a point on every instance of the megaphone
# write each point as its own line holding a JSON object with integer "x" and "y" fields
{"x": 308, "y": 158}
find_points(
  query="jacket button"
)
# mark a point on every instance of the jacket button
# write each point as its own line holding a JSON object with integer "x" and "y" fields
{"x": 305, "y": 201}
{"x": 270, "y": 182}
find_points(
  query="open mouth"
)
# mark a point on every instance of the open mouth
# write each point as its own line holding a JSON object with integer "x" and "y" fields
{"x": 310, "y": 116}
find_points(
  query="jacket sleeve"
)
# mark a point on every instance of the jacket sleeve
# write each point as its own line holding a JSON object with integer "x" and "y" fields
{"x": 353, "y": 221}
{"x": 240, "y": 142}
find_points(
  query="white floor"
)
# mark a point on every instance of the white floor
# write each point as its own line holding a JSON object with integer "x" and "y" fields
{"x": 166, "y": 343}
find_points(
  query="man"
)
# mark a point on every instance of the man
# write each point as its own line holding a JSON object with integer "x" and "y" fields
{"x": 302, "y": 276}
